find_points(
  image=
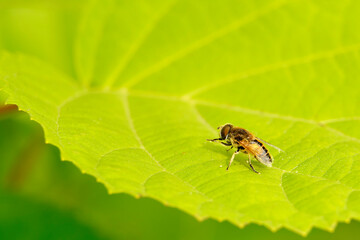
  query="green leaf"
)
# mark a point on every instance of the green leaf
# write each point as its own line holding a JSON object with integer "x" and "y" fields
{"x": 157, "y": 79}
{"x": 30, "y": 207}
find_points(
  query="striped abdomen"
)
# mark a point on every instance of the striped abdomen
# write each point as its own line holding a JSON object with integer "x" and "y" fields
{"x": 261, "y": 153}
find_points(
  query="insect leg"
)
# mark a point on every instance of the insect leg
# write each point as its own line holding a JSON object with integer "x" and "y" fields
{"x": 227, "y": 144}
{"x": 252, "y": 165}
{"x": 215, "y": 139}
{"x": 232, "y": 158}
{"x": 242, "y": 149}
{"x": 229, "y": 148}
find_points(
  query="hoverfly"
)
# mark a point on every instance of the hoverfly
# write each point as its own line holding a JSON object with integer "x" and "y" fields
{"x": 245, "y": 142}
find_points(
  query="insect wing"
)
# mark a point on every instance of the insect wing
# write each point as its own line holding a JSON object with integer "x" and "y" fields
{"x": 279, "y": 149}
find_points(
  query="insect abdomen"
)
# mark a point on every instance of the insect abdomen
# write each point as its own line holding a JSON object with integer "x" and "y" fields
{"x": 263, "y": 154}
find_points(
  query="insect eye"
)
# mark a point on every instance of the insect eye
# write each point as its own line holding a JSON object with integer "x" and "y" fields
{"x": 225, "y": 131}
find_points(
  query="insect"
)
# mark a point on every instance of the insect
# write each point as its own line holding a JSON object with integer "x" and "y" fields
{"x": 245, "y": 142}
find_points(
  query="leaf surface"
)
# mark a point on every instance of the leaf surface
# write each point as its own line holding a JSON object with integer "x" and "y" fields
{"x": 154, "y": 80}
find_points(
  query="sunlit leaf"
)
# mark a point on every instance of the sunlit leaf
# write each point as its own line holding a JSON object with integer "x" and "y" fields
{"x": 154, "y": 80}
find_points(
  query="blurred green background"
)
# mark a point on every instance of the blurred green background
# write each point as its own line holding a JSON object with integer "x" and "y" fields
{"x": 44, "y": 198}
